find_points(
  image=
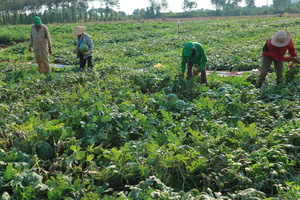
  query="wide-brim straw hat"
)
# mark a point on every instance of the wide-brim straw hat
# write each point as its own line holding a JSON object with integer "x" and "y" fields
{"x": 78, "y": 30}
{"x": 280, "y": 39}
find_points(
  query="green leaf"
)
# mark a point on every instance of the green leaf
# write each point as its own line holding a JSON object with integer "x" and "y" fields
{"x": 90, "y": 157}
{"x": 10, "y": 172}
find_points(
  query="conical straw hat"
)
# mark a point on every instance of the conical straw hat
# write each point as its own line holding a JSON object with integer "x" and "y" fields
{"x": 78, "y": 30}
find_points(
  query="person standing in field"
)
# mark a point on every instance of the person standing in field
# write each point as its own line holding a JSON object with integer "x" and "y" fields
{"x": 274, "y": 50}
{"x": 40, "y": 40}
{"x": 84, "y": 48}
{"x": 194, "y": 58}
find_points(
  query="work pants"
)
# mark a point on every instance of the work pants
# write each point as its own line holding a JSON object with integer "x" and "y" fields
{"x": 82, "y": 61}
{"x": 191, "y": 67}
{"x": 42, "y": 59}
{"x": 266, "y": 63}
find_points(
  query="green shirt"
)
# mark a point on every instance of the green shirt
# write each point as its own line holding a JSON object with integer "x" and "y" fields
{"x": 198, "y": 59}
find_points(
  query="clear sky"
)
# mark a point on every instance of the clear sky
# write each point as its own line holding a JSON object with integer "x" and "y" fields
{"x": 128, "y": 6}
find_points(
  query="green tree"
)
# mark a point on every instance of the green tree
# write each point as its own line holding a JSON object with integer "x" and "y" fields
{"x": 136, "y": 12}
{"x": 250, "y": 3}
{"x": 219, "y": 4}
{"x": 226, "y": 4}
{"x": 189, "y": 5}
{"x": 235, "y": 3}
{"x": 296, "y": 7}
{"x": 154, "y": 9}
{"x": 18, "y": 5}
{"x": 110, "y": 3}
{"x": 281, "y": 5}
{"x": 164, "y": 5}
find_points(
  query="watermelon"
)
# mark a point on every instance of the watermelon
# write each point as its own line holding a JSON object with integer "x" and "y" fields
{"x": 83, "y": 48}
{"x": 44, "y": 150}
{"x": 180, "y": 104}
{"x": 172, "y": 97}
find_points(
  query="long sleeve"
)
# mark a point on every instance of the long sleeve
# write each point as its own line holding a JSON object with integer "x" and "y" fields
{"x": 278, "y": 53}
{"x": 89, "y": 42}
{"x": 203, "y": 58}
{"x": 183, "y": 63}
{"x": 292, "y": 49}
{"x": 31, "y": 39}
{"x": 48, "y": 38}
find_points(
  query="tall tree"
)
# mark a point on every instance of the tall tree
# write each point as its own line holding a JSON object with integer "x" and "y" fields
{"x": 226, "y": 4}
{"x": 164, "y": 4}
{"x": 219, "y": 4}
{"x": 281, "y": 4}
{"x": 155, "y": 7}
{"x": 250, "y": 3}
{"x": 189, "y": 5}
{"x": 18, "y": 6}
{"x": 235, "y": 3}
{"x": 110, "y": 3}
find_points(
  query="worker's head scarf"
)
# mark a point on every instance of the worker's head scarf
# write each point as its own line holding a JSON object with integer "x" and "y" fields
{"x": 187, "y": 49}
{"x": 37, "y": 21}
{"x": 280, "y": 39}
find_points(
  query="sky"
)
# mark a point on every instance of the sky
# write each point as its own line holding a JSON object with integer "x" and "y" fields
{"x": 128, "y": 6}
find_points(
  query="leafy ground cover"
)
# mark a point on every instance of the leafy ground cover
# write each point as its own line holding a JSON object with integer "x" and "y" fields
{"x": 115, "y": 132}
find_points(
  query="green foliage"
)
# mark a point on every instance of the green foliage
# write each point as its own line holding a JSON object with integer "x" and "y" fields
{"x": 290, "y": 74}
{"x": 129, "y": 130}
{"x": 13, "y": 34}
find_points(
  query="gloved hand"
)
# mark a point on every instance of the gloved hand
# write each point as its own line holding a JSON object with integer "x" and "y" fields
{"x": 85, "y": 53}
{"x": 195, "y": 72}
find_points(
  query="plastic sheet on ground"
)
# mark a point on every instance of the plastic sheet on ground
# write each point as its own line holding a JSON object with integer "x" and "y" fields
{"x": 228, "y": 73}
{"x": 55, "y": 65}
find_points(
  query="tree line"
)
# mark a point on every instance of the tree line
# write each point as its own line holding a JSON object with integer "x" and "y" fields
{"x": 14, "y": 12}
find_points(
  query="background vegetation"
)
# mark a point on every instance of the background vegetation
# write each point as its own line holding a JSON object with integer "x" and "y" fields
{"x": 14, "y": 12}
{"x": 114, "y": 132}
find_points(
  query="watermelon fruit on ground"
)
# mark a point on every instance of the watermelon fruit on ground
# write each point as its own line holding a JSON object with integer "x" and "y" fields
{"x": 44, "y": 150}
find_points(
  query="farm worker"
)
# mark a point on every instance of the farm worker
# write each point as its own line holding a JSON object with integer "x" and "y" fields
{"x": 194, "y": 57}
{"x": 274, "y": 50}
{"x": 40, "y": 40}
{"x": 84, "y": 48}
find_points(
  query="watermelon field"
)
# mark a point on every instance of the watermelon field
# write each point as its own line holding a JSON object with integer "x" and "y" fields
{"x": 133, "y": 129}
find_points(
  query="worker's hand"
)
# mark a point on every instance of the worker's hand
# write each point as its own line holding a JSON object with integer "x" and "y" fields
{"x": 50, "y": 51}
{"x": 86, "y": 53}
{"x": 29, "y": 49}
{"x": 74, "y": 51}
{"x": 195, "y": 73}
{"x": 296, "y": 60}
